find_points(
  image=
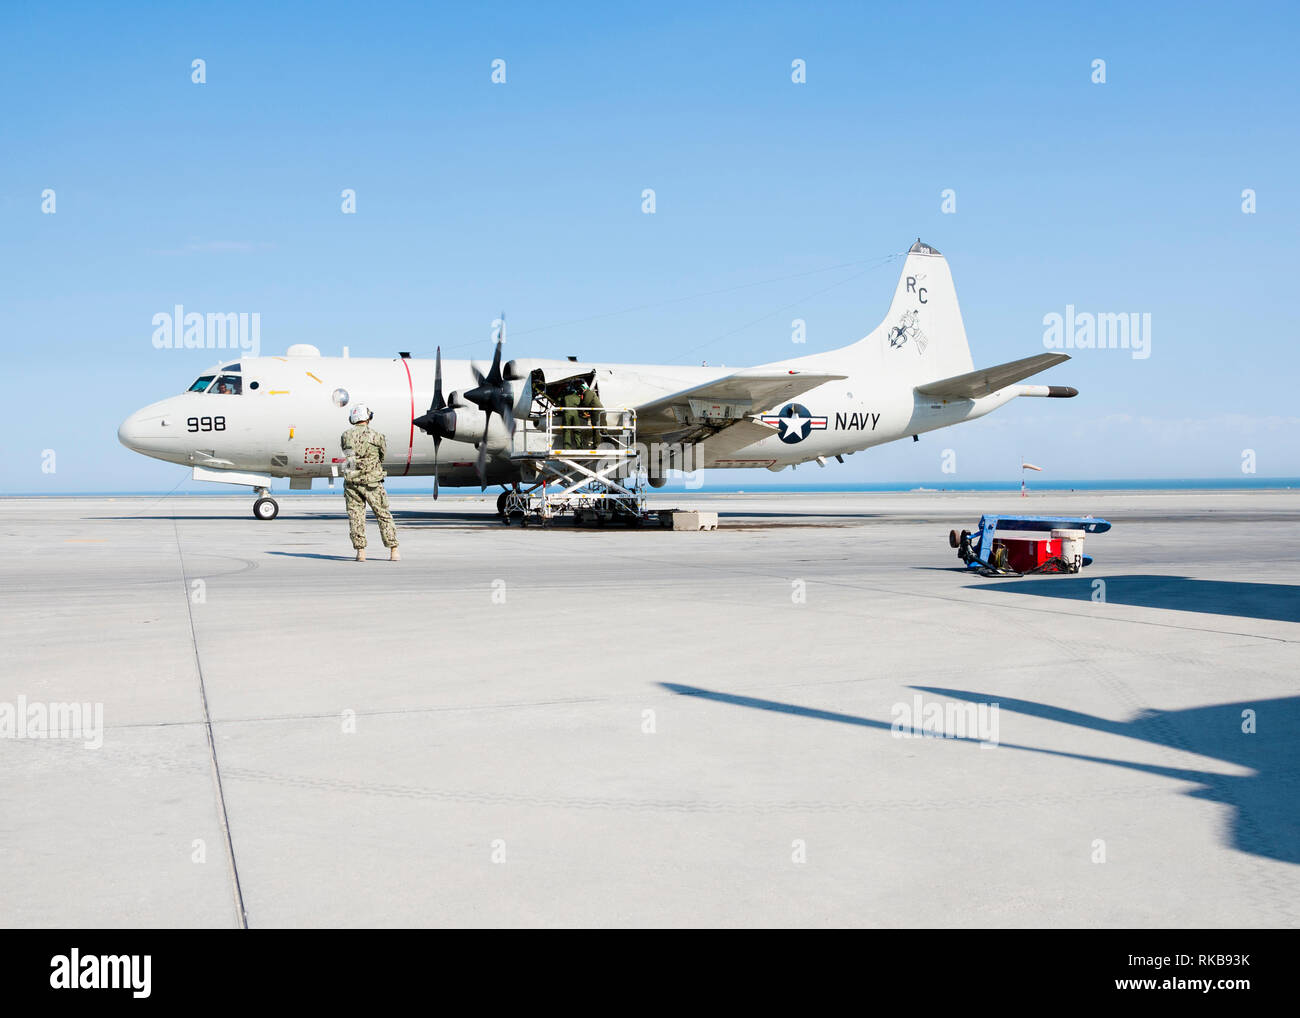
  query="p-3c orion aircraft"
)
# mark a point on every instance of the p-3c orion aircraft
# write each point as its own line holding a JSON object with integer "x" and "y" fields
{"x": 266, "y": 418}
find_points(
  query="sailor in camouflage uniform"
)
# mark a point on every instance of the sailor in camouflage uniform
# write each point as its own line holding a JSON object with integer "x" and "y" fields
{"x": 573, "y": 437}
{"x": 363, "y": 482}
{"x": 590, "y": 403}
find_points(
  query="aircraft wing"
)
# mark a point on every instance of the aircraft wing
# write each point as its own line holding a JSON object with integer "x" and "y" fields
{"x": 704, "y": 410}
{"x": 975, "y": 384}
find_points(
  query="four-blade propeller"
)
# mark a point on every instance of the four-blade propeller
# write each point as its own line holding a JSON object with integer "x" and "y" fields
{"x": 439, "y": 420}
{"x": 492, "y": 395}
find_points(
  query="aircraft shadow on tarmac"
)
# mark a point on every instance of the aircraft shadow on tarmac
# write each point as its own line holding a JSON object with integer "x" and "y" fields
{"x": 1279, "y": 602}
{"x": 1265, "y": 818}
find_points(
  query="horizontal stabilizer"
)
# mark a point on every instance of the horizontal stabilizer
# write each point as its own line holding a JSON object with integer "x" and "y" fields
{"x": 976, "y": 384}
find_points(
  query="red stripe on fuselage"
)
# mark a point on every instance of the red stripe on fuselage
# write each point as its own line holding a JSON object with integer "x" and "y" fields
{"x": 410, "y": 445}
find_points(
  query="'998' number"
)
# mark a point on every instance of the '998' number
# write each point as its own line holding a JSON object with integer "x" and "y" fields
{"x": 206, "y": 424}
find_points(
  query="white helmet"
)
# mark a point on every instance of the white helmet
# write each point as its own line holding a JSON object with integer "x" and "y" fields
{"x": 360, "y": 412}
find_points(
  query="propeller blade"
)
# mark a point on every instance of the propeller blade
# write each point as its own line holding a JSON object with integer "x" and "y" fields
{"x": 524, "y": 401}
{"x": 521, "y": 406}
{"x": 438, "y": 402}
{"x": 482, "y": 459}
{"x": 495, "y": 373}
{"x": 437, "y": 441}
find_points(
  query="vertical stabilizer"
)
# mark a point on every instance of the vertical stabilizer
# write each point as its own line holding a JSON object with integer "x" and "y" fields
{"x": 922, "y": 337}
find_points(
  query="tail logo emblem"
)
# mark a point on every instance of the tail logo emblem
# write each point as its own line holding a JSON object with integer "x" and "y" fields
{"x": 907, "y": 329}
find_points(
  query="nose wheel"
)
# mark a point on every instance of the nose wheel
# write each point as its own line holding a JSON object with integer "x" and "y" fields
{"x": 266, "y": 508}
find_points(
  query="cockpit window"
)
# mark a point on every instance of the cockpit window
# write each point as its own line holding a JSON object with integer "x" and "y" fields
{"x": 201, "y": 385}
{"x": 230, "y": 367}
{"x": 228, "y": 385}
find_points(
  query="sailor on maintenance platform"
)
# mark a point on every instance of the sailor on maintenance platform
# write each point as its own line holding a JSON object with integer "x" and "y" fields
{"x": 590, "y": 403}
{"x": 574, "y": 436}
{"x": 363, "y": 482}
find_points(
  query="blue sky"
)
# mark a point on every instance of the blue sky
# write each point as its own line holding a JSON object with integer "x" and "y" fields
{"x": 473, "y": 197}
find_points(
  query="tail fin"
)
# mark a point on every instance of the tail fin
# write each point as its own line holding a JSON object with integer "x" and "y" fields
{"x": 922, "y": 338}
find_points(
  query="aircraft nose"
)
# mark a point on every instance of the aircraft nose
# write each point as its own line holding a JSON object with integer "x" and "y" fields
{"x": 130, "y": 431}
{"x": 144, "y": 431}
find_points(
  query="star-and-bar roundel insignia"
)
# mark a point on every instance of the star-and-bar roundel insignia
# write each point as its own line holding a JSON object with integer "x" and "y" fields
{"x": 795, "y": 423}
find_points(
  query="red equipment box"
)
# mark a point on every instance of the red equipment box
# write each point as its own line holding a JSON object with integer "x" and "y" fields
{"x": 1028, "y": 551}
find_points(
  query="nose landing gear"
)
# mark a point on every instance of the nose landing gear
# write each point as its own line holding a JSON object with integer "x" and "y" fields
{"x": 265, "y": 508}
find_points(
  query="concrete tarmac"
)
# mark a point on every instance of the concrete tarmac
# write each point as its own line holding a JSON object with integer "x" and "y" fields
{"x": 572, "y": 727}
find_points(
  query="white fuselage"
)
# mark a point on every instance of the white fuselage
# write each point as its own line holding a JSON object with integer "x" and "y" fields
{"x": 286, "y": 421}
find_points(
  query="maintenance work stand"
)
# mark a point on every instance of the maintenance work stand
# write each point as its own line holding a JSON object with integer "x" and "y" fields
{"x": 588, "y": 470}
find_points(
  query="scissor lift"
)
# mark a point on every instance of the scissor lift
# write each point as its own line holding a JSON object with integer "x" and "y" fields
{"x": 587, "y": 470}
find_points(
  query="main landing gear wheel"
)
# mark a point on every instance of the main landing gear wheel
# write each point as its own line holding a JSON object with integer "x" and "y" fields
{"x": 501, "y": 504}
{"x": 266, "y": 509}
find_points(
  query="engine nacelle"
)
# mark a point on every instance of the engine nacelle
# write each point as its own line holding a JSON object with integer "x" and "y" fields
{"x": 657, "y": 482}
{"x": 512, "y": 372}
{"x": 469, "y": 425}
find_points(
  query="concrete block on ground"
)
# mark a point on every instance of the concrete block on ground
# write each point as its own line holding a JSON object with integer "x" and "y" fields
{"x": 680, "y": 519}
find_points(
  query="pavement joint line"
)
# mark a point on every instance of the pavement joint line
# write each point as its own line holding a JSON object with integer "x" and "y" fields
{"x": 241, "y": 911}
